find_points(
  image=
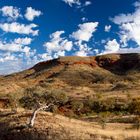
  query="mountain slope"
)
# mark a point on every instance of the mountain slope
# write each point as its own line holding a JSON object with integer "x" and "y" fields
{"x": 76, "y": 71}
{"x": 102, "y": 91}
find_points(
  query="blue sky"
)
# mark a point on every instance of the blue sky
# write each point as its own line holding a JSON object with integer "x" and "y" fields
{"x": 32, "y": 31}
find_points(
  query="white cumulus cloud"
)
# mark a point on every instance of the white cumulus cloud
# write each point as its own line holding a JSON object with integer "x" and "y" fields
{"x": 83, "y": 49}
{"x": 87, "y": 3}
{"x": 112, "y": 46}
{"x": 58, "y": 45}
{"x": 107, "y": 28}
{"x": 77, "y": 3}
{"x": 13, "y": 47}
{"x": 10, "y": 11}
{"x": 11, "y": 62}
{"x": 7, "y": 57}
{"x": 85, "y": 31}
{"x": 129, "y": 25}
{"x": 72, "y": 2}
{"x": 32, "y": 13}
{"x": 19, "y": 28}
{"x": 23, "y": 41}
{"x": 44, "y": 57}
{"x": 18, "y": 45}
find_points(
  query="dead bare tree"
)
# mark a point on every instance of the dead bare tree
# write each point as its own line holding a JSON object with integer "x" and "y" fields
{"x": 41, "y": 107}
{"x": 51, "y": 100}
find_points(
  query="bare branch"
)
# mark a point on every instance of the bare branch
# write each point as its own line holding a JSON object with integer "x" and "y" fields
{"x": 32, "y": 120}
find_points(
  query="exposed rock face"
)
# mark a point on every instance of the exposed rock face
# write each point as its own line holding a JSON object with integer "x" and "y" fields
{"x": 73, "y": 60}
{"x": 118, "y": 62}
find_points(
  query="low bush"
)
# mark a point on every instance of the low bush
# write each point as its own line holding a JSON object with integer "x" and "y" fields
{"x": 110, "y": 105}
{"x": 32, "y": 99}
{"x": 77, "y": 106}
{"x": 90, "y": 105}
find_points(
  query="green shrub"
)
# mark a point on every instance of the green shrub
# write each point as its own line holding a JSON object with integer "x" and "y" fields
{"x": 109, "y": 104}
{"x": 56, "y": 96}
{"x": 32, "y": 99}
{"x": 77, "y": 105}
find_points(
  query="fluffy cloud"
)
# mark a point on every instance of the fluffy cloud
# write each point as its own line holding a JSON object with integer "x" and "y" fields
{"x": 23, "y": 41}
{"x": 84, "y": 19}
{"x": 44, "y": 57}
{"x": 58, "y": 45}
{"x": 81, "y": 53}
{"x": 82, "y": 37}
{"x": 129, "y": 25}
{"x": 32, "y": 13}
{"x": 19, "y": 28}
{"x": 17, "y": 61}
{"x": 10, "y": 11}
{"x": 9, "y": 65}
{"x": 10, "y": 47}
{"x": 96, "y": 51}
{"x": 72, "y": 2}
{"x": 112, "y": 46}
{"x": 87, "y": 3}
{"x": 14, "y": 63}
{"x": 85, "y": 31}
{"x": 18, "y": 45}
{"x": 83, "y": 50}
{"x": 122, "y": 51}
{"x": 137, "y": 4}
{"x": 15, "y": 57}
{"x": 107, "y": 28}
{"x": 129, "y": 50}
{"x": 77, "y": 3}
{"x": 7, "y": 57}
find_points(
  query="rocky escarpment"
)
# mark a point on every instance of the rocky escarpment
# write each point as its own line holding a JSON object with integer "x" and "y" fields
{"x": 112, "y": 62}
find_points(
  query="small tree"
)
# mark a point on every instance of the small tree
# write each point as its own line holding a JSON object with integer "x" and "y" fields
{"x": 39, "y": 108}
{"x": 47, "y": 101}
{"x": 56, "y": 95}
